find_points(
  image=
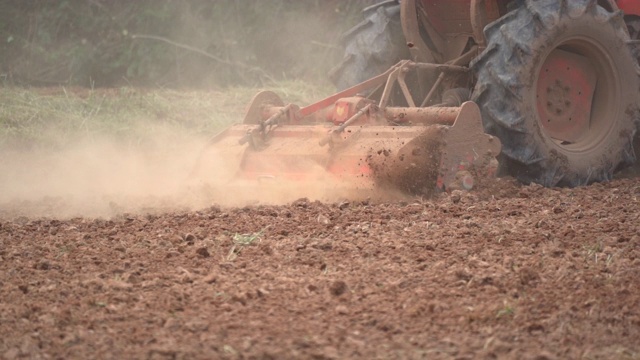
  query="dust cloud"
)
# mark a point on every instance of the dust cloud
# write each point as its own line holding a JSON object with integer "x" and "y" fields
{"x": 101, "y": 177}
{"x": 98, "y": 178}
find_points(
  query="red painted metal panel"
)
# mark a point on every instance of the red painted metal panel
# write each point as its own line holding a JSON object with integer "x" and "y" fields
{"x": 454, "y": 16}
{"x": 630, "y": 7}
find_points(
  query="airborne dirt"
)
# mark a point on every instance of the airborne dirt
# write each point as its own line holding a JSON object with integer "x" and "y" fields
{"x": 511, "y": 271}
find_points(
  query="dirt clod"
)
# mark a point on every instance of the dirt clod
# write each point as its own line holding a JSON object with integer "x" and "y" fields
{"x": 210, "y": 279}
{"x": 338, "y": 288}
{"x": 43, "y": 265}
{"x": 456, "y": 196}
{"x": 203, "y": 252}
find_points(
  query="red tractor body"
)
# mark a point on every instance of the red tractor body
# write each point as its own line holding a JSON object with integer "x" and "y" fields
{"x": 629, "y": 7}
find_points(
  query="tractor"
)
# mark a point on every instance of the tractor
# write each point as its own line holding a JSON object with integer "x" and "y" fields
{"x": 434, "y": 95}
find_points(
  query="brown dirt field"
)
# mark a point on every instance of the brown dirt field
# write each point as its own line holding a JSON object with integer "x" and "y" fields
{"x": 517, "y": 272}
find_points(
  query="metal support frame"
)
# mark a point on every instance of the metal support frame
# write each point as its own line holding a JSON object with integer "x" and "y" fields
{"x": 259, "y": 135}
{"x": 399, "y": 73}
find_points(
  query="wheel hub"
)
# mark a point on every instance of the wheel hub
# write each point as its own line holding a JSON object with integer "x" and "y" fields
{"x": 566, "y": 85}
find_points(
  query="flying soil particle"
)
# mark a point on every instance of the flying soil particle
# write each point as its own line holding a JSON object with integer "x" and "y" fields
{"x": 415, "y": 167}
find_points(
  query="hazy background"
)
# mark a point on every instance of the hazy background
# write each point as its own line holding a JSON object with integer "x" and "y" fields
{"x": 106, "y": 43}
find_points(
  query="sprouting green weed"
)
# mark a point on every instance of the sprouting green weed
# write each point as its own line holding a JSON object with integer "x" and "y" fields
{"x": 609, "y": 259}
{"x": 593, "y": 250}
{"x": 506, "y": 310}
{"x": 247, "y": 239}
{"x": 242, "y": 240}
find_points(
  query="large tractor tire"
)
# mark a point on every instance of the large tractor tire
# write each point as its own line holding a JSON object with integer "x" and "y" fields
{"x": 372, "y": 46}
{"x": 633, "y": 25}
{"x": 558, "y": 84}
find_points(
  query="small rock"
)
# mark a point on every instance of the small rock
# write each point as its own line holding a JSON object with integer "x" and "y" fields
{"x": 148, "y": 284}
{"x": 119, "y": 285}
{"x": 134, "y": 278}
{"x": 185, "y": 276}
{"x": 171, "y": 254}
{"x": 172, "y": 324}
{"x": 197, "y": 325}
{"x": 322, "y": 219}
{"x": 43, "y": 265}
{"x": 262, "y": 292}
{"x": 210, "y": 279}
{"x": 302, "y": 203}
{"x": 535, "y": 328}
{"x": 463, "y": 274}
{"x": 266, "y": 249}
{"x": 343, "y": 205}
{"x": 325, "y": 246}
{"x": 342, "y": 310}
{"x": 544, "y": 355}
{"x": 528, "y": 275}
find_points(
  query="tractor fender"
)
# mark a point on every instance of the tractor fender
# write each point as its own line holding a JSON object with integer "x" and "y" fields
{"x": 629, "y": 7}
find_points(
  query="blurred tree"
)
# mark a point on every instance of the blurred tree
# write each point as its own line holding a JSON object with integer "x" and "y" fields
{"x": 170, "y": 43}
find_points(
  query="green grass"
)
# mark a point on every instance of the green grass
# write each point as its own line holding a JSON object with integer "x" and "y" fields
{"x": 247, "y": 239}
{"x": 506, "y": 311}
{"x": 52, "y": 118}
{"x": 242, "y": 240}
{"x": 593, "y": 250}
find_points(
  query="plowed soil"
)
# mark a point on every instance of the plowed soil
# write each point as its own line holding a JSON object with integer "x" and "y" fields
{"x": 516, "y": 272}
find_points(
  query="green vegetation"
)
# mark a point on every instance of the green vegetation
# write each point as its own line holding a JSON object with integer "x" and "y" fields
{"x": 191, "y": 43}
{"x": 242, "y": 240}
{"x": 130, "y": 70}
{"x": 52, "y": 118}
{"x": 593, "y": 250}
{"x": 506, "y": 311}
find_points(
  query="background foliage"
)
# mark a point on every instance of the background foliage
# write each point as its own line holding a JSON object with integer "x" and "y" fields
{"x": 191, "y": 43}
